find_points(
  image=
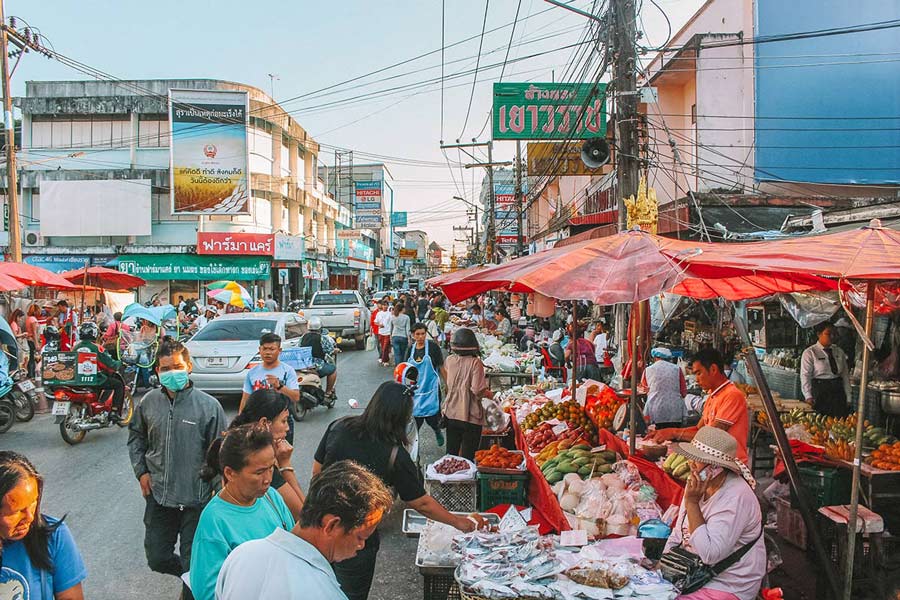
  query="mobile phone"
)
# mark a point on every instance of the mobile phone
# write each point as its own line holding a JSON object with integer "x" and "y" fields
{"x": 703, "y": 475}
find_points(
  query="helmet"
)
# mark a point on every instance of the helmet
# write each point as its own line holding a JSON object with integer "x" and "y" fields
{"x": 406, "y": 373}
{"x": 464, "y": 339}
{"x": 315, "y": 324}
{"x": 89, "y": 331}
{"x": 51, "y": 332}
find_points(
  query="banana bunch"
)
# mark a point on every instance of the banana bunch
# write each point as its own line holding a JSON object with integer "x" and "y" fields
{"x": 677, "y": 466}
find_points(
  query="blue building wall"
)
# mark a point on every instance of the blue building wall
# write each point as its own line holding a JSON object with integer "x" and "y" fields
{"x": 836, "y": 117}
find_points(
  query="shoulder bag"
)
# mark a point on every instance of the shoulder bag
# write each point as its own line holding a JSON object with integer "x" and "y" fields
{"x": 688, "y": 573}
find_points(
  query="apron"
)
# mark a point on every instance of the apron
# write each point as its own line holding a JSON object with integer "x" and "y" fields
{"x": 427, "y": 401}
{"x": 830, "y": 397}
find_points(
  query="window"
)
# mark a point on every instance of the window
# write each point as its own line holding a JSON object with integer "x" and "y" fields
{"x": 334, "y": 299}
{"x": 234, "y": 330}
{"x": 294, "y": 329}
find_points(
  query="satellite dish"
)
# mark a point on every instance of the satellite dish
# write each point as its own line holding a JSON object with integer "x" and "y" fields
{"x": 595, "y": 153}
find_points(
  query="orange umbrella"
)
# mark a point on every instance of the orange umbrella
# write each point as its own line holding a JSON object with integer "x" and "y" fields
{"x": 31, "y": 275}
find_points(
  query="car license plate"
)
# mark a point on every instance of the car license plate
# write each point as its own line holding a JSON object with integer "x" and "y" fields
{"x": 60, "y": 409}
{"x": 26, "y": 385}
{"x": 216, "y": 361}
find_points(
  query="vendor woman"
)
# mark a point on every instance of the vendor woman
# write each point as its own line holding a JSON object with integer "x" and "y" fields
{"x": 825, "y": 375}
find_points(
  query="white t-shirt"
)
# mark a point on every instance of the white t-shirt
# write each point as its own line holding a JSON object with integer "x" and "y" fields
{"x": 600, "y": 347}
{"x": 383, "y": 320}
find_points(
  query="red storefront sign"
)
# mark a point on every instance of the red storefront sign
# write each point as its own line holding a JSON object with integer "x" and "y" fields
{"x": 255, "y": 244}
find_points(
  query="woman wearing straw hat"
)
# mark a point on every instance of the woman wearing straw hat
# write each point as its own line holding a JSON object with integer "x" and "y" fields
{"x": 719, "y": 519}
{"x": 466, "y": 386}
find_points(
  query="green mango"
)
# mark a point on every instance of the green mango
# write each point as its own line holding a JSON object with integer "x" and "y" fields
{"x": 566, "y": 467}
{"x": 609, "y": 456}
{"x": 585, "y": 470}
{"x": 603, "y": 469}
{"x": 554, "y": 477}
{"x": 584, "y": 460}
{"x": 581, "y": 447}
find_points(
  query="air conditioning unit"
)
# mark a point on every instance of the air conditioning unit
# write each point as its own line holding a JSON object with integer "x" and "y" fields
{"x": 33, "y": 238}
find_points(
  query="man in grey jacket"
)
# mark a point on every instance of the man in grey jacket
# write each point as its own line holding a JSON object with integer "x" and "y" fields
{"x": 168, "y": 438}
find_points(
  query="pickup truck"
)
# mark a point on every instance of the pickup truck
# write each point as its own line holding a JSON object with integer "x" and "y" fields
{"x": 343, "y": 312}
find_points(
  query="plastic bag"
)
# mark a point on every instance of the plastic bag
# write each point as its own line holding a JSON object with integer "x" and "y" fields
{"x": 464, "y": 475}
{"x": 628, "y": 473}
{"x": 370, "y": 343}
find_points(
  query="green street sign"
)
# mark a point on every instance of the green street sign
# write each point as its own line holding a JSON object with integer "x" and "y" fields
{"x": 549, "y": 111}
{"x": 194, "y": 267}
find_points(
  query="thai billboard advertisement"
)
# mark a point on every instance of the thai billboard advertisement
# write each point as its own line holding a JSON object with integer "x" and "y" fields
{"x": 238, "y": 244}
{"x": 208, "y": 153}
{"x": 549, "y": 111}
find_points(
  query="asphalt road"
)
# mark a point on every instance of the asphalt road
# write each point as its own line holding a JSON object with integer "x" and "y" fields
{"x": 93, "y": 485}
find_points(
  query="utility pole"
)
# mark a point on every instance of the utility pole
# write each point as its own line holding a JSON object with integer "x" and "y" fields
{"x": 12, "y": 183}
{"x": 492, "y": 204}
{"x": 474, "y": 207}
{"x": 520, "y": 201}
{"x": 626, "y": 121}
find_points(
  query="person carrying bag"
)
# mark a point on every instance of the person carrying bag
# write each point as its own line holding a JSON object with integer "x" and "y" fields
{"x": 716, "y": 550}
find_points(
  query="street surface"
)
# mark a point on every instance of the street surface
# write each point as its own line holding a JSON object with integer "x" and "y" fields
{"x": 93, "y": 485}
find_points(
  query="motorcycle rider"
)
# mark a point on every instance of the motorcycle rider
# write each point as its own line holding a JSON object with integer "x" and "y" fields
{"x": 322, "y": 346}
{"x": 107, "y": 366}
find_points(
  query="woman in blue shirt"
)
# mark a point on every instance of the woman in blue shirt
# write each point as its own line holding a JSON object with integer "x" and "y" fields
{"x": 245, "y": 509}
{"x": 38, "y": 555}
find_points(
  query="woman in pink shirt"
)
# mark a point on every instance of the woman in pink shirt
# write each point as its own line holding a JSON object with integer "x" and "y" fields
{"x": 720, "y": 517}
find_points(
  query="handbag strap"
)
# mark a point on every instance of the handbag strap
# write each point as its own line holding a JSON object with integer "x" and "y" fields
{"x": 727, "y": 562}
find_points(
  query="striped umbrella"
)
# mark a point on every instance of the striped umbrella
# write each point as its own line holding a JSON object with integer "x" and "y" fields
{"x": 230, "y": 292}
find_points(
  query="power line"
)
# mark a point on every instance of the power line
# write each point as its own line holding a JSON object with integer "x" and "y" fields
{"x": 487, "y": 4}
{"x": 511, "y": 34}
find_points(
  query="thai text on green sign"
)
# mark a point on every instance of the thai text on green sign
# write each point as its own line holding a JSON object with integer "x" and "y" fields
{"x": 549, "y": 111}
{"x": 194, "y": 267}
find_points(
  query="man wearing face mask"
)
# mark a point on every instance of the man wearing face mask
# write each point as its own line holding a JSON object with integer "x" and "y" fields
{"x": 167, "y": 441}
{"x": 344, "y": 506}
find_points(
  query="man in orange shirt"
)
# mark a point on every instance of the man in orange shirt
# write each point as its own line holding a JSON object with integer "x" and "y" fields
{"x": 725, "y": 406}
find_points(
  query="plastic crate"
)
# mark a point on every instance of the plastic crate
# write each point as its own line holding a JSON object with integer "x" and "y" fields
{"x": 441, "y": 587}
{"x": 868, "y": 578}
{"x": 455, "y": 496}
{"x": 494, "y": 489}
{"x": 824, "y": 486}
{"x": 791, "y": 527}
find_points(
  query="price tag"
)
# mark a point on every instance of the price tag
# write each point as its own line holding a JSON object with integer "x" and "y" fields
{"x": 577, "y": 537}
{"x": 600, "y": 448}
{"x": 558, "y": 429}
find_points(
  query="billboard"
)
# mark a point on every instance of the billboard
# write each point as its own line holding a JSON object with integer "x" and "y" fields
{"x": 288, "y": 247}
{"x": 399, "y": 219}
{"x": 367, "y": 206}
{"x": 236, "y": 244}
{"x": 549, "y": 111}
{"x": 208, "y": 152}
{"x": 102, "y": 207}
{"x": 561, "y": 159}
{"x": 409, "y": 254}
{"x": 349, "y": 234}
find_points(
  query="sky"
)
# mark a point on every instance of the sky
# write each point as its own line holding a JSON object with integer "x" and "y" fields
{"x": 310, "y": 45}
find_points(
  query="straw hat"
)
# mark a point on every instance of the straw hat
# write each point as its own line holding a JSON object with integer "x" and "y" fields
{"x": 714, "y": 446}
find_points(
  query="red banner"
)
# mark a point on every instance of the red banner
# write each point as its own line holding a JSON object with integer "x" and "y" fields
{"x": 242, "y": 244}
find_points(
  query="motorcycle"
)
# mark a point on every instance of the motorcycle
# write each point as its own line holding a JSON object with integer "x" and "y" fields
{"x": 7, "y": 415}
{"x": 79, "y": 409}
{"x": 312, "y": 388}
{"x": 20, "y": 391}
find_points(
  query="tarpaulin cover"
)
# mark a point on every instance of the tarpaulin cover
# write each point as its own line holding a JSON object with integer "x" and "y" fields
{"x": 623, "y": 268}
{"x": 540, "y": 496}
{"x": 101, "y": 277}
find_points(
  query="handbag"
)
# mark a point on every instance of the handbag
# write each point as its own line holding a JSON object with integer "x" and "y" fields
{"x": 688, "y": 573}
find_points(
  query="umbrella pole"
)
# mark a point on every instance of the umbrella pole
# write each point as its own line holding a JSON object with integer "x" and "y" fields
{"x": 83, "y": 292}
{"x": 784, "y": 447}
{"x": 637, "y": 314}
{"x": 574, "y": 342}
{"x": 860, "y": 420}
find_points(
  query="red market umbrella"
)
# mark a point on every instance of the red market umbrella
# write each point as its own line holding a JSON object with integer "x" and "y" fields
{"x": 31, "y": 275}
{"x": 10, "y": 284}
{"x": 623, "y": 268}
{"x": 103, "y": 278}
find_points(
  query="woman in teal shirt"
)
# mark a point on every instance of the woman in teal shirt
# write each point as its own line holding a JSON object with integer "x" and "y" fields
{"x": 246, "y": 508}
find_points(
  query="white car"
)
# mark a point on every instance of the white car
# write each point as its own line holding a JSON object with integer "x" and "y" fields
{"x": 228, "y": 346}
